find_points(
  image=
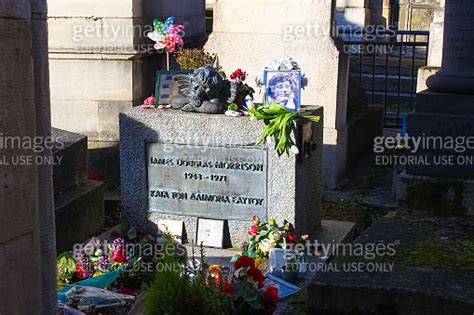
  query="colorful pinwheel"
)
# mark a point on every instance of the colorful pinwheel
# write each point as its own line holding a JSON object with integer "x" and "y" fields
{"x": 167, "y": 35}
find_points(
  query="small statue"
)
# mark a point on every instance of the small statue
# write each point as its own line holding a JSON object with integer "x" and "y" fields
{"x": 204, "y": 91}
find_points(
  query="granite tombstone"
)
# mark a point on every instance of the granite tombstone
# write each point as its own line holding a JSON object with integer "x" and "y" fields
{"x": 177, "y": 165}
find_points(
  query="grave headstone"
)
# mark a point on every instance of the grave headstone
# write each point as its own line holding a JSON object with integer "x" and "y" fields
{"x": 183, "y": 166}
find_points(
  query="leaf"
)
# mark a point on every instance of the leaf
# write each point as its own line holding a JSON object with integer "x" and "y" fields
{"x": 234, "y": 258}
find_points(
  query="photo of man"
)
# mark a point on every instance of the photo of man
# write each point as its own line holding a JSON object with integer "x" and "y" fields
{"x": 283, "y": 87}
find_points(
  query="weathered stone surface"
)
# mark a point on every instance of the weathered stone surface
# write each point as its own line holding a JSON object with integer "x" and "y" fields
{"x": 79, "y": 214}
{"x": 361, "y": 132}
{"x": 438, "y": 158}
{"x": 435, "y": 195}
{"x": 404, "y": 289}
{"x": 89, "y": 98}
{"x": 20, "y": 288}
{"x": 294, "y": 188}
{"x": 71, "y": 153}
{"x": 298, "y": 32}
{"x": 456, "y": 73}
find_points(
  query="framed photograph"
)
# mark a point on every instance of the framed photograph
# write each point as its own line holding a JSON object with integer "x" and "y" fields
{"x": 283, "y": 87}
{"x": 166, "y": 89}
{"x": 210, "y": 232}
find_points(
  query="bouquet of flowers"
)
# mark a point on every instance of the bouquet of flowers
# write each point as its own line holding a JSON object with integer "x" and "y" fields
{"x": 267, "y": 235}
{"x": 285, "y": 63}
{"x": 95, "y": 262}
{"x": 246, "y": 287}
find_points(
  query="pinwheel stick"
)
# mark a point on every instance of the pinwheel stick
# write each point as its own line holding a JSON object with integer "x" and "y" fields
{"x": 167, "y": 61}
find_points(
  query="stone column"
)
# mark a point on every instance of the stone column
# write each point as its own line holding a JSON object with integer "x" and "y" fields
{"x": 27, "y": 251}
{"x": 457, "y": 71}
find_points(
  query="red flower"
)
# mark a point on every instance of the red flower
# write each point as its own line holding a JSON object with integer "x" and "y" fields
{"x": 244, "y": 261}
{"x": 257, "y": 276}
{"x": 253, "y": 230}
{"x": 305, "y": 236}
{"x": 81, "y": 273}
{"x": 228, "y": 288}
{"x": 217, "y": 278}
{"x": 271, "y": 293}
{"x": 119, "y": 256}
{"x": 238, "y": 74}
{"x": 291, "y": 237}
{"x": 255, "y": 219}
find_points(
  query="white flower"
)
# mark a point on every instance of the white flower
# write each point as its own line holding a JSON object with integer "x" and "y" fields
{"x": 294, "y": 149}
{"x": 274, "y": 236}
{"x": 265, "y": 245}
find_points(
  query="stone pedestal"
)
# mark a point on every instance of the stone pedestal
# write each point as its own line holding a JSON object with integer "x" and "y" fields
{"x": 443, "y": 120}
{"x": 290, "y": 187}
{"x": 301, "y": 29}
{"x": 435, "y": 50}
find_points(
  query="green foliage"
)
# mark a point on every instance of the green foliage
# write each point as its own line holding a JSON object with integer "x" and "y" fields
{"x": 191, "y": 59}
{"x": 233, "y": 106}
{"x": 176, "y": 291}
{"x": 280, "y": 123}
{"x": 66, "y": 266}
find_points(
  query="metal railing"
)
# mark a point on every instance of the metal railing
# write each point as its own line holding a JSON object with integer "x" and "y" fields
{"x": 386, "y": 63}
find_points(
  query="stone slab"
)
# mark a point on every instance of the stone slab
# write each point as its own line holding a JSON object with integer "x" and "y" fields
{"x": 434, "y": 102}
{"x": 434, "y": 195}
{"x": 403, "y": 290}
{"x": 79, "y": 214}
{"x": 430, "y": 158}
{"x": 71, "y": 151}
{"x": 294, "y": 187}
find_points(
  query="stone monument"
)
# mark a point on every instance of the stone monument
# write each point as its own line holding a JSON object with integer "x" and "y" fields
{"x": 178, "y": 165}
{"x": 261, "y": 30}
{"x": 444, "y": 121}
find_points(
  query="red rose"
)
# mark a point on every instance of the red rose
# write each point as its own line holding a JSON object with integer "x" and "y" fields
{"x": 253, "y": 230}
{"x": 257, "y": 276}
{"x": 291, "y": 237}
{"x": 244, "y": 261}
{"x": 228, "y": 288}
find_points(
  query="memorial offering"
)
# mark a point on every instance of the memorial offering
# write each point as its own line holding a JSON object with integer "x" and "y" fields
{"x": 167, "y": 36}
{"x": 265, "y": 236}
{"x": 280, "y": 124}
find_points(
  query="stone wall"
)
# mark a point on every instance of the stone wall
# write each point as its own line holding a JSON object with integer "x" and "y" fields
{"x": 27, "y": 244}
{"x": 102, "y": 63}
{"x": 248, "y": 33}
